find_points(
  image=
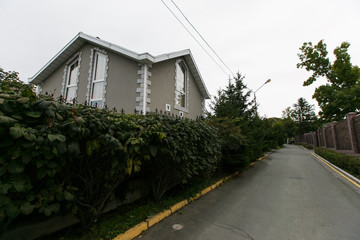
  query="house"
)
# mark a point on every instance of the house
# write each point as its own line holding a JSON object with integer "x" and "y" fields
{"x": 100, "y": 73}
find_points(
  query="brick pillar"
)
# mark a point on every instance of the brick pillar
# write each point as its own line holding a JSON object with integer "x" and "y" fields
{"x": 334, "y": 135}
{"x": 350, "y": 121}
{"x": 316, "y": 143}
{"x": 324, "y": 134}
{"x": 320, "y": 137}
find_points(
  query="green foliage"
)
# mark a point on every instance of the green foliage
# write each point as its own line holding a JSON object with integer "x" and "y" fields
{"x": 289, "y": 127}
{"x": 341, "y": 94}
{"x": 232, "y": 142}
{"x": 59, "y": 157}
{"x": 304, "y": 115}
{"x": 305, "y": 145}
{"x": 42, "y": 168}
{"x": 113, "y": 223}
{"x": 178, "y": 151}
{"x": 233, "y": 101}
{"x": 252, "y": 135}
{"x": 348, "y": 163}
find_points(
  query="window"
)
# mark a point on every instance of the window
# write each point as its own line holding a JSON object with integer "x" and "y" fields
{"x": 71, "y": 81}
{"x": 181, "y": 82}
{"x": 98, "y": 80}
{"x": 167, "y": 107}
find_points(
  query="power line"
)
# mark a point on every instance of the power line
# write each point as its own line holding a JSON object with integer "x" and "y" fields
{"x": 194, "y": 37}
{"x": 202, "y": 37}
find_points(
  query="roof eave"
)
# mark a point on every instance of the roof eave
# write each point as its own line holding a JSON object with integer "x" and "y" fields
{"x": 81, "y": 38}
{"x": 35, "y": 79}
{"x": 70, "y": 48}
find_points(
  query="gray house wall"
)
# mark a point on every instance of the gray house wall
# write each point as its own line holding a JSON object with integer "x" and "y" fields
{"x": 196, "y": 100}
{"x": 163, "y": 90}
{"x": 54, "y": 82}
{"x": 162, "y": 85}
{"x": 121, "y": 80}
{"x": 122, "y": 84}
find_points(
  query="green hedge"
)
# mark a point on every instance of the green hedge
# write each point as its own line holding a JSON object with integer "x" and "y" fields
{"x": 348, "y": 163}
{"x": 232, "y": 143}
{"x": 57, "y": 157}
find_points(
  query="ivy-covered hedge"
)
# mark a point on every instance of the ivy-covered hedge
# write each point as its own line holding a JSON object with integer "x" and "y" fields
{"x": 59, "y": 157}
{"x": 348, "y": 163}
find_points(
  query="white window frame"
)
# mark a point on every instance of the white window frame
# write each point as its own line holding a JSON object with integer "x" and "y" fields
{"x": 93, "y": 65}
{"x": 65, "y": 84}
{"x": 74, "y": 85}
{"x": 186, "y": 82}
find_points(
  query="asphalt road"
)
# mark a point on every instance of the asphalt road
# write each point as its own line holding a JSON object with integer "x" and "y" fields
{"x": 289, "y": 195}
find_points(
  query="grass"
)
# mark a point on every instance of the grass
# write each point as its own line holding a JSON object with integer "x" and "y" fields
{"x": 111, "y": 224}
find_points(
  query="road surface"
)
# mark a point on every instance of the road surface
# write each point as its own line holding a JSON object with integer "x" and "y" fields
{"x": 289, "y": 195}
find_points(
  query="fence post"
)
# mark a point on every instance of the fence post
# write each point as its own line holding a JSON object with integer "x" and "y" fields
{"x": 334, "y": 135}
{"x": 350, "y": 122}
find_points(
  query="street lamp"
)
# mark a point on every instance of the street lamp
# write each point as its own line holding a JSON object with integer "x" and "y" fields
{"x": 267, "y": 81}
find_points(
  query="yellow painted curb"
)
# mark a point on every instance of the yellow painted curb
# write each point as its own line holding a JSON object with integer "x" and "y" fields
{"x": 350, "y": 180}
{"x": 213, "y": 186}
{"x": 205, "y": 191}
{"x": 133, "y": 232}
{"x": 138, "y": 229}
{"x": 259, "y": 159}
{"x": 158, "y": 217}
{"x": 219, "y": 182}
{"x": 194, "y": 198}
{"x": 179, "y": 205}
{"x": 227, "y": 178}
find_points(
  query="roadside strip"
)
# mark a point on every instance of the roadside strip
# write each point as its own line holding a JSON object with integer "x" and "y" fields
{"x": 338, "y": 170}
{"x": 148, "y": 223}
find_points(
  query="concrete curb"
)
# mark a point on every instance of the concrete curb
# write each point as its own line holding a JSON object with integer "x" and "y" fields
{"x": 148, "y": 223}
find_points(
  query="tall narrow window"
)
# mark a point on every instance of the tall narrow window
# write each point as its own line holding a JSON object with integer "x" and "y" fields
{"x": 71, "y": 81}
{"x": 98, "y": 80}
{"x": 181, "y": 81}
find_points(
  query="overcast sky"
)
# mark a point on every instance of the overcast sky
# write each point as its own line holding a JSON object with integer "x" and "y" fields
{"x": 257, "y": 38}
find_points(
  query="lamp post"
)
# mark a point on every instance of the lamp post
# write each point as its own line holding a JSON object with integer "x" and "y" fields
{"x": 267, "y": 81}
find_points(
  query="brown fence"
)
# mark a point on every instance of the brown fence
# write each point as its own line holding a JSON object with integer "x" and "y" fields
{"x": 343, "y": 136}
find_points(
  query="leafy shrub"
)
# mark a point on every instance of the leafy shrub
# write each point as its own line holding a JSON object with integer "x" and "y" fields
{"x": 28, "y": 173}
{"x": 60, "y": 157}
{"x": 177, "y": 150}
{"x": 348, "y": 163}
{"x": 55, "y": 156}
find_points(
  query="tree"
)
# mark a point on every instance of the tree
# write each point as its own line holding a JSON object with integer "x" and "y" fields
{"x": 341, "y": 94}
{"x": 8, "y": 76}
{"x": 304, "y": 115}
{"x": 287, "y": 113}
{"x": 233, "y": 101}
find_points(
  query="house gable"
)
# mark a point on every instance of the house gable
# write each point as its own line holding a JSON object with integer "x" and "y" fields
{"x": 163, "y": 86}
{"x": 145, "y": 58}
{"x": 129, "y": 81}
